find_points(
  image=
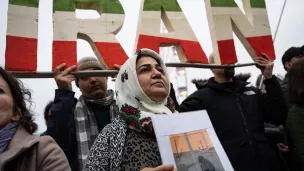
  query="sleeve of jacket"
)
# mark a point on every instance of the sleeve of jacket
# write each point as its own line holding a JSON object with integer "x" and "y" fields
{"x": 98, "y": 158}
{"x": 60, "y": 123}
{"x": 273, "y": 102}
{"x": 193, "y": 103}
{"x": 50, "y": 156}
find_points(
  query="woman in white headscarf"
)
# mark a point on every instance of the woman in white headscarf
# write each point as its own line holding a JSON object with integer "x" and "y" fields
{"x": 129, "y": 143}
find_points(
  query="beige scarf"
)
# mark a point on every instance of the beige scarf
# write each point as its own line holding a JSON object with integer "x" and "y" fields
{"x": 135, "y": 107}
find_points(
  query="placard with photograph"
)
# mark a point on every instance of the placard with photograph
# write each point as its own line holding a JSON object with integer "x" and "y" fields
{"x": 189, "y": 141}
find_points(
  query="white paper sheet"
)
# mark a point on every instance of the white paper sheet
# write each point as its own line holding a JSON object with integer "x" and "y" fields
{"x": 170, "y": 126}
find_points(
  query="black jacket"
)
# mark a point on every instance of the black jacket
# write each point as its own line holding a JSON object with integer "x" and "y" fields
{"x": 238, "y": 118}
{"x": 284, "y": 87}
{"x": 61, "y": 126}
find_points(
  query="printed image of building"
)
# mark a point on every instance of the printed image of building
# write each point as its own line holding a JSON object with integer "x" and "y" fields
{"x": 194, "y": 151}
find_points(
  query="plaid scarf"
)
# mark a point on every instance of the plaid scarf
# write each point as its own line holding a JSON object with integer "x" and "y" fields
{"x": 86, "y": 125}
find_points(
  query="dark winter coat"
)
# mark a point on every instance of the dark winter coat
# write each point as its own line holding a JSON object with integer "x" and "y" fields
{"x": 295, "y": 127}
{"x": 238, "y": 118}
{"x": 61, "y": 125}
{"x": 284, "y": 86}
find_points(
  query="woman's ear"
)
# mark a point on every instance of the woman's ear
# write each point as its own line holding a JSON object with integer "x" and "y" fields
{"x": 17, "y": 115}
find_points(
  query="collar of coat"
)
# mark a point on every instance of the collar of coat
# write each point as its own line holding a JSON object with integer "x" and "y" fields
{"x": 203, "y": 83}
{"x": 21, "y": 141}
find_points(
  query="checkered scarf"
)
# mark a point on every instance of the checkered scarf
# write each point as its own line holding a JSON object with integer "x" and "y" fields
{"x": 86, "y": 125}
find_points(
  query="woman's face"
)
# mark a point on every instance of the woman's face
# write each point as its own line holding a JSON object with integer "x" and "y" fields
{"x": 152, "y": 79}
{"x": 6, "y": 103}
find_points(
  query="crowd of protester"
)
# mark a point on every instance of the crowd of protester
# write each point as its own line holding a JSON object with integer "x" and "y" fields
{"x": 260, "y": 128}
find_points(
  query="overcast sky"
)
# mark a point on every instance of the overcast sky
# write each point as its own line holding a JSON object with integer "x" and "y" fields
{"x": 290, "y": 33}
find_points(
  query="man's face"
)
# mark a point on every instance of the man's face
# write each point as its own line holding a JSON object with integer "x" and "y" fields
{"x": 93, "y": 87}
{"x": 218, "y": 72}
{"x": 221, "y": 73}
{"x": 224, "y": 73}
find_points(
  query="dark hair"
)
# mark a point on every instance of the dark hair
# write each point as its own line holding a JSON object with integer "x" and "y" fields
{"x": 173, "y": 97}
{"x": 47, "y": 109}
{"x": 301, "y": 51}
{"x": 289, "y": 54}
{"x": 296, "y": 82}
{"x": 21, "y": 96}
{"x": 200, "y": 159}
{"x": 146, "y": 55}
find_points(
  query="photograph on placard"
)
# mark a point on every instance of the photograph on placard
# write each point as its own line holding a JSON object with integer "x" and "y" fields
{"x": 194, "y": 151}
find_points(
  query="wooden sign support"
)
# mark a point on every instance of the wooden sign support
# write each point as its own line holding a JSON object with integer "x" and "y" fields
{"x": 111, "y": 73}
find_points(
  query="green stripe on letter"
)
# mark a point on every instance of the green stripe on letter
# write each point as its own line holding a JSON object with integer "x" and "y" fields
{"x": 231, "y": 3}
{"x": 223, "y": 3}
{"x": 168, "y": 5}
{"x": 258, "y": 3}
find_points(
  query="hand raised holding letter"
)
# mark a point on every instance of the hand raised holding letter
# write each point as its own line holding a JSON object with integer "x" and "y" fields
{"x": 265, "y": 65}
{"x": 116, "y": 67}
{"x": 64, "y": 78}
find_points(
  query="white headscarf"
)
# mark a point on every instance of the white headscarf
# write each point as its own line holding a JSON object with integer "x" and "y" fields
{"x": 130, "y": 96}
